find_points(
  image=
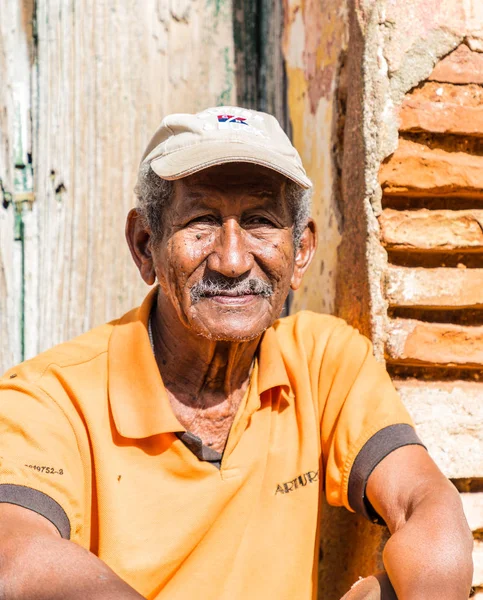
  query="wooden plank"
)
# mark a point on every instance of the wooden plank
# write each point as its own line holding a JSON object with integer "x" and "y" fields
{"x": 10, "y": 349}
{"x": 247, "y": 54}
{"x": 15, "y": 58}
{"x": 108, "y": 72}
{"x": 260, "y": 64}
{"x": 9, "y": 337}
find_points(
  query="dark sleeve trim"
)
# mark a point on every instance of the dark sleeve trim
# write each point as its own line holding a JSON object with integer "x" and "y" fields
{"x": 38, "y": 502}
{"x": 374, "y": 450}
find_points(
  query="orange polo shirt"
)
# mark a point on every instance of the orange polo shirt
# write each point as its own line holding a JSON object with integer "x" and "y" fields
{"x": 88, "y": 439}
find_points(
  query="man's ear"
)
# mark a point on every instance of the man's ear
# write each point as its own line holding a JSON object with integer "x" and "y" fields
{"x": 139, "y": 241}
{"x": 304, "y": 254}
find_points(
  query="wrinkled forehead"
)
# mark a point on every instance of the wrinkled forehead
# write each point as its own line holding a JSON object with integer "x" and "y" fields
{"x": 234, "y": 177}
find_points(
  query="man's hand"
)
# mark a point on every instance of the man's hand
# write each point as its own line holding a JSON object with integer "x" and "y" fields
{"x": 37, "y": 564}
{"x": 375, "y": 587}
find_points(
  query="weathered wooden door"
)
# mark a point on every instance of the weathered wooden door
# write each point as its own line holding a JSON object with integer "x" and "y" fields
{"x": 83, "y": 85}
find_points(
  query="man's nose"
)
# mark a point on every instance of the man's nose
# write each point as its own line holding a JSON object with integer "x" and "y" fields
{"x": 231, "y": 257}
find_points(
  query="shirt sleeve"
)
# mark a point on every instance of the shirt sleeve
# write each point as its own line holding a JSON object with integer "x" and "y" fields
{"x": 362, "y": 421}
{"x": 40, "y": 463}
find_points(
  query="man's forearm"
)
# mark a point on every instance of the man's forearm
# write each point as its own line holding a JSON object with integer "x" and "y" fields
{"x": 429, "y": 557}
{"x": 44, "y": 567}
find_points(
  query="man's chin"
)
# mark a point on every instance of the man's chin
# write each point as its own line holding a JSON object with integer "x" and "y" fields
{"x": 231, "y": 325}
{"x": 232, "y": 330}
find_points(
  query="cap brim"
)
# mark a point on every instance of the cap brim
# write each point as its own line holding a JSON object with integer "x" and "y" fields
{"x": 192, "y": 159}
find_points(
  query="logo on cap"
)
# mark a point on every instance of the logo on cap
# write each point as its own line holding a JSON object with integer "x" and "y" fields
{"x": 231, "y": 119}
{"x": 227, "y": 121}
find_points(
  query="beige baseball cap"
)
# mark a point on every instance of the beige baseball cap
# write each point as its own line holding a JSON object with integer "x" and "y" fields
{"x": 185, "y": 144}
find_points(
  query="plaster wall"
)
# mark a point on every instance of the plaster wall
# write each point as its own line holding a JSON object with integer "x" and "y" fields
{"x": 314, "y": 45}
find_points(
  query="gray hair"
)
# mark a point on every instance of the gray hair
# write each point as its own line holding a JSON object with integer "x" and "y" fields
{"x": 154, "y": 195}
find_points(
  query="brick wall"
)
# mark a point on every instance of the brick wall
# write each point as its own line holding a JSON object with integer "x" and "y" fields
{"x": 431, "y": 226}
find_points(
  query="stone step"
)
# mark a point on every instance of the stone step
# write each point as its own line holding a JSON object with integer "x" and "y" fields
{"x": 413, "y": 342}
{"x": 461, "y": 66}
{"x": 444, "y": 108}
{"x": 434, "y": 288}
{"x": 473, "y": 501}
{"x": 416, "y": 169}
{"x": 478, "y": 563}
{"x": 449, "y": 419}
{"x": 432, "y": 230}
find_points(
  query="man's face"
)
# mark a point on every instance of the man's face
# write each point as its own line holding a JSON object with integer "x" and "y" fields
{"x": 226, "y": 259}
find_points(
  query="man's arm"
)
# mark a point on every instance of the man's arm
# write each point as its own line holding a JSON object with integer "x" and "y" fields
{"x": 37, "y": 564}
{"x": 428, "y": 555}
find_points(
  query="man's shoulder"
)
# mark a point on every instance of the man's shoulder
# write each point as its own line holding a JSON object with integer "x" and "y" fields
{"x": 75, "y": 352}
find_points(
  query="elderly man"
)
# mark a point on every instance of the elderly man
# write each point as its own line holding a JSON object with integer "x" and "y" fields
{"x": 182, "y": 450}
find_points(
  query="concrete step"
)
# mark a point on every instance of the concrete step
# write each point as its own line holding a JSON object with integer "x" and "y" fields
{"x": 413, "y": 342}
{"x": 417, "y": 169}
{"x": 449, "y": 419}
{"x": 461, "y": 66}
{"x": 432, "y": 230}
{"x": 444, "y": 108}
{"x": 434, "y": 288}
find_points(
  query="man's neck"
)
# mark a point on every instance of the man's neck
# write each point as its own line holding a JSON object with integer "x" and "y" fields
{"x": 198, "y": 371}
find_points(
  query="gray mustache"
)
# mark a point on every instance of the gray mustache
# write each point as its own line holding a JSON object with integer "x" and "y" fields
{"x": 230, "y": 287}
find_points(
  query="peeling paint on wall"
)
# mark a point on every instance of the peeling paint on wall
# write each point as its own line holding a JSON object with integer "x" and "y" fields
{"x": 226, "y": 94}
{"x": 314, "y": 43}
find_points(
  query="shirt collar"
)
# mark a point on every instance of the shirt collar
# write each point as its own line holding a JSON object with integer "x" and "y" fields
{"x": 272, "y": 371}
{"x": 139, "y": 402}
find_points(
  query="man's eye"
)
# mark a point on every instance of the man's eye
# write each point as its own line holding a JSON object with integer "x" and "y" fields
{"x": 210, "y": 219}
{"x": 259, "y": 221}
